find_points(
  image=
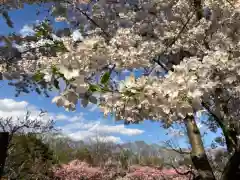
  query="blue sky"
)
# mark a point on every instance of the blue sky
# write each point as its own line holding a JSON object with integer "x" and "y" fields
{"x": 82, "y": 123}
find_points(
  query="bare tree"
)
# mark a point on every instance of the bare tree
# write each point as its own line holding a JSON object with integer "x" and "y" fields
{"x": 100, "y": 149}
{"x": 10, "y": 126}
{"x": 26, "y": 124}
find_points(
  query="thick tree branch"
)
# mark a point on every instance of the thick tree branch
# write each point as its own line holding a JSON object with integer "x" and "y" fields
{"x": 197, "y": 4}
{"x": 231, "y": 170}
{"x": 4, "y": 136}
{"x": 230, "y": 142}
{"x": 198, "y": 154}
{"x": 177, "y": 149}
{"x": 189, "y": 172}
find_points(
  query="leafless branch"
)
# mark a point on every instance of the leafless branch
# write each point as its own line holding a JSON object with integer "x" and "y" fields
{"x": 22, "y": 125}
{"x": 176, "y": 149}
{"x": 189, "y": 172}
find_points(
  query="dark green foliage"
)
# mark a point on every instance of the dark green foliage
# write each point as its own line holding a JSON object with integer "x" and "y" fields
{"x": 94, "y": 88}
{"x": 84, "y": 154}
{"x": 105, "y": 78}
{"x": 124, "y": 158}
{"x": 29, "y": 158}
{"x": 62, "y": 151}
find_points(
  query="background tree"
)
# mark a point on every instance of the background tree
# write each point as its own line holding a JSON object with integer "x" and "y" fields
{"x": 19, "y": 130}
{"x": 29, "y": 158}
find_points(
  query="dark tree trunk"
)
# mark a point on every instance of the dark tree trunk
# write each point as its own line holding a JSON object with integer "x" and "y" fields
{"x": 231, "y": 170}
{"x": 198, "y": 154}
{"x": 197, "y": 4}
{"x": 4, "y": 140}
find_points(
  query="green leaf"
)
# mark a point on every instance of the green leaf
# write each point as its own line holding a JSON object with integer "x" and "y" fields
{"x": 54, "y": 70}
{"x": 56, "y": 84}
{"x": 105, "y": 78}
{"x": 94, "y": 88}
{"x": 7, "y": 19}
{"x": 39, "y": 33}
{"x": 105, "y": 89}
{"x": 43, "y": 30}
{"x": 59, "y": 46}
{"x": 38, "y": 76}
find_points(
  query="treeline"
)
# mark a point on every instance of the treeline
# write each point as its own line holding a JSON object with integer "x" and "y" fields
{"x": 35, "y": 150}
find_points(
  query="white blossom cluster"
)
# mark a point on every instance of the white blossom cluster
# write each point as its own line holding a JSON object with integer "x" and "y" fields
{"x": 178, "y": 93}
{"x": 137, "y": 34}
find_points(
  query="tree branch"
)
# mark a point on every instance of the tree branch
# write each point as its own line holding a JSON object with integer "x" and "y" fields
{"x": 3, "y": 150}
{"x": 231, "y": 144}
{"x": 198, "y": 154}
{"x": 172, "y": 43}
{"x": 90, "y": 19}
{"x": 179, "y": 150}
{"x": 181, "y": 173}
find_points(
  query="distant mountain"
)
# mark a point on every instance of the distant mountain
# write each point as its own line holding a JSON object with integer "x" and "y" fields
{"x": 137, "y": 147}
{"x": 140, "y": 147}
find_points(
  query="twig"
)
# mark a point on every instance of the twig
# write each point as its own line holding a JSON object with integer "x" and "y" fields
{"x": 180, "y": 151}
{"x": 90, "y": 19}
{"x": 173, "y": 42}
{"x": 181, "y": 173}
{"x": 7, "y": 61}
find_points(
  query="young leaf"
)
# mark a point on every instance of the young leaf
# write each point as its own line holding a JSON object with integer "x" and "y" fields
{"x": 105, "y": 78}
{"x": 38, "y": 76}
{"x": 94, "y": 88}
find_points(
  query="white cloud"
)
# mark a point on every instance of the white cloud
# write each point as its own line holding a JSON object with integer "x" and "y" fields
{"x": 120, "y": 129}
{"x": 10, "y": 104}
{"x": 92, "y": 107}
{"x": 63, "y": 117}
{"x": 60, "y": 117}
{"x": 113, "y": 139}
{"x": 88, "y": 130}
{"x": 76, "y": 117}
{"x": 27, "y": 30}
{"x": 91, "y": 136}
{"x": 17, "y": 111}
{"x": 12, "y": 108}
{"x": 76, "y": 127}
{"x": 97, "y": 128}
